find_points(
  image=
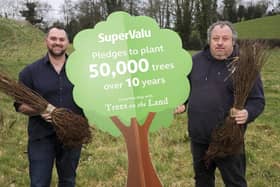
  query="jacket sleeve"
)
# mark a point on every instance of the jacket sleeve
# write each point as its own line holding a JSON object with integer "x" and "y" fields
{"x": 255, "y": 102}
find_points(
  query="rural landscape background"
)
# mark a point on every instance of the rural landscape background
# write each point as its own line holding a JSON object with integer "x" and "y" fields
{"x": 104, "y": 161}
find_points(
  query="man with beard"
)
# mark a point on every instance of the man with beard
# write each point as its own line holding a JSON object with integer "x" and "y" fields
{"x": 47, "y": 77}
{"x": 211, "y": 98}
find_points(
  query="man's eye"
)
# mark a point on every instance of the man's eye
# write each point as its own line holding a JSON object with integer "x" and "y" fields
{"x": 216, "y": 39}
{"x": 225, "y": 39}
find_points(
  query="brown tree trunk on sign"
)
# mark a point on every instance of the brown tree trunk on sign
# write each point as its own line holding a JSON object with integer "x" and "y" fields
{"x": 141, "y": 172}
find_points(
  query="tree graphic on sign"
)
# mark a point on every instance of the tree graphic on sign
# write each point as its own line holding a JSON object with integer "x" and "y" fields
{"x": 128, "y": 77}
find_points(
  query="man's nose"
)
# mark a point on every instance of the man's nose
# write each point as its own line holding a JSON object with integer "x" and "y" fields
{"x": 57, "y": 42}
{"x": 220, "y": 41}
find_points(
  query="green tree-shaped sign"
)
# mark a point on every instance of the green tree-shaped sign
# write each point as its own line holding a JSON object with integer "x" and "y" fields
{"x": 129, "y": 75}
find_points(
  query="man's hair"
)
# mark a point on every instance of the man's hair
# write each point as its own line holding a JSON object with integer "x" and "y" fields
{"x": 221, "y": 24}
{"x": 59, "y": 28}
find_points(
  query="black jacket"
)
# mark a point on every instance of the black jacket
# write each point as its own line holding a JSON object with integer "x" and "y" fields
{"x": 211, "y": 96}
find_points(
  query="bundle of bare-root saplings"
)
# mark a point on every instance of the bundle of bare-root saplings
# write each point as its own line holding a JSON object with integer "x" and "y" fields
{"x": 72, "y": 129}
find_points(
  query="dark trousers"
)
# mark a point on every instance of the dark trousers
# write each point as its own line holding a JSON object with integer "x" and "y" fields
{"x": 42, "y": 155}
{"x": 232, "y": 168}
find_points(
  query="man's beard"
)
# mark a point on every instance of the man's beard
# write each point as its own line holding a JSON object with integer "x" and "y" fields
{"x": 52, "y": 53}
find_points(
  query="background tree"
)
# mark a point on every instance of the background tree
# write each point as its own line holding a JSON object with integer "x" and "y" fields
{"x": 132, "y": 7}
{"x": 230, "y": 10}
{"x": 249, "y": 14}
{"x": 91, "y": 12}
{"x": 214, "y": 16}
{"x": 184, "y": 14}
{"x": 155, "y": 9}
{"x": 167, "y": 14}
{"x": 43, "y": 9}
{"x": 241, "y": 12}
{"x": 30, "y": 13}
{"x": 114, "y": 5}
{"x": 69, "y": 11}
{"x": 256, "y": 10}
{"x": 205, "y": 15}
{"x": 260, "y": 9}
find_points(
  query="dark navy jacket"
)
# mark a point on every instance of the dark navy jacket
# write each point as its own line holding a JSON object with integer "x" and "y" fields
{"x": 211, "y": 96}
{"x": 41, "y": 77}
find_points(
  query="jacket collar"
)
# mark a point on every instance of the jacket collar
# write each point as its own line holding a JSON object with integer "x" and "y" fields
{"x": 46, "y": 59}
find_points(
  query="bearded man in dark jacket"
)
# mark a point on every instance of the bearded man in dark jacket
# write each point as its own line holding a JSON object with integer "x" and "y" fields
{"x": 210, "y": 100}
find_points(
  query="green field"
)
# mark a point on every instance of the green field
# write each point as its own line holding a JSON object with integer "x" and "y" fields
{"x": 262, "y": 28}
{"x": 104, "y": 161}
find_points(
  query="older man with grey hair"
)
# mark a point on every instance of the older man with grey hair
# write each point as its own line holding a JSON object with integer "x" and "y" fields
{"x": 210, "y": 101}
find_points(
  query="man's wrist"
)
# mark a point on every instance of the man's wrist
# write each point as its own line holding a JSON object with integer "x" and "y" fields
{"x": 50, "y": 108}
